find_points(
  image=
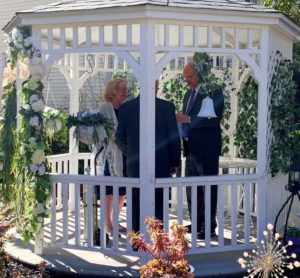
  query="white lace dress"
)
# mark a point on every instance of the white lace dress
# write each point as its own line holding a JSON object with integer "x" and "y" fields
{"x": 109, "y": 150}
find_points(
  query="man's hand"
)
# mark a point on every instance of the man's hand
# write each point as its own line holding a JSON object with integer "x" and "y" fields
{"x": 183, "y": 118}
{"x": 174, "y": 170}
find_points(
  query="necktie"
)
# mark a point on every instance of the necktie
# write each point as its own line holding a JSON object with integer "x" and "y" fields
{"x": 185, "y": 126}
{"x": 191, "y": 102}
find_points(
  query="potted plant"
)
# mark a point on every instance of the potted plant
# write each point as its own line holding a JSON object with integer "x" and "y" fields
{"x": 167, "y": 250}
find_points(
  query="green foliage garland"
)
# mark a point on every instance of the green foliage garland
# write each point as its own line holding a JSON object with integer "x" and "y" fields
{"x": 7, "y": 142}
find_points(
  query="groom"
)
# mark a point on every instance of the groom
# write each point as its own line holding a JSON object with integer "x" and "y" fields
{"x": 167, "y": 148}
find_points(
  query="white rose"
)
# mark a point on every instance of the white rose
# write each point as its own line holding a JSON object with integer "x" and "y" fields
{"x": 18, "y": 44}
{"x": 27, "y": 42}
{"x": 32, "y": 140}
{"x": 34, "y": 98}
{"x": 39, "y": 209}
{"x": 47, "y": 109}
{"x": 22, "y": 150}
{"x": 38, "y": 157}
{"x": 27, "y": 107}
{"x": 8, "y": 38}
{"x": 17, "y": 35}
{"x": 34, "y": 121}
{"x": 42, "y": 170}
{"x": 40, "y": 219}
{"x": 33, "y": 168}
{"x": 32, "y": 185}
{"x": 38, "y": 105}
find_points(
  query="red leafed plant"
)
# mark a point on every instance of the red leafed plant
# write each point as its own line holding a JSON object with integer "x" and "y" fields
{"x": 167, "y": 250}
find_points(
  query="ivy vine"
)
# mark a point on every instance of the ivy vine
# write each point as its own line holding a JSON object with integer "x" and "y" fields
{"x": 246, "y": 129}
{"x": 7, "y": 143}
{"x": 285, "y": 145}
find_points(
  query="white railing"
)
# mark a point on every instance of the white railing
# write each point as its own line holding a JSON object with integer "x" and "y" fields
{"x": 77, "y": 212}
{"x": 77, "y": 229}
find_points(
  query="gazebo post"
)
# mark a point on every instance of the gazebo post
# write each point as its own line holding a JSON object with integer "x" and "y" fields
{"x": 262, "y": 132}
{"x": 74, "y": 108}
{"x": 147, "y": 123}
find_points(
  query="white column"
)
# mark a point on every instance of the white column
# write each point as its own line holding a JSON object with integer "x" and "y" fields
{"x": 262, "y": 133}
{"x": 74, "y": 108}
{"x": 147, "y": 123}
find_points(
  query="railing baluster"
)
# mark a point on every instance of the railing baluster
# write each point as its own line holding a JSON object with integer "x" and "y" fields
{"x": 221, "y": 214}
{"x": 65, "y": 193}
{"x": 77, "y": 213}
{"x": 53, "y": 213}
{"x": 234, "y": 213}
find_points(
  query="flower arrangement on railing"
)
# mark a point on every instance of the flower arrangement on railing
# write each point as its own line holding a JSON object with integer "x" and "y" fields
{"x": 269, "y": 258}
{"x": 31, "y": 180}
{"x": 167, "y": 250}
{"x": 91, "y": 128}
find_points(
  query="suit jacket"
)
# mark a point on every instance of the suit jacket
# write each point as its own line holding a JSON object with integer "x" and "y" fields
{"x": 204, "y": 135}
{"x": 167, "y": 140}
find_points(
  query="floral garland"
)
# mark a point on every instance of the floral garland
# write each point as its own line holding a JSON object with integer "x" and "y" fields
{"x": 32, "y": 181}
{"x": 91, "y": 128}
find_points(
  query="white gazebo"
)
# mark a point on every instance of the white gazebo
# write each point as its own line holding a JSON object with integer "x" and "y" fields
{"x": 144, "y": 37}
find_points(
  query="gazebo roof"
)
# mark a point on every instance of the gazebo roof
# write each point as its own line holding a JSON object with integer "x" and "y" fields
{"x": 222, "y": 11}
{"x": 75, "y": 5}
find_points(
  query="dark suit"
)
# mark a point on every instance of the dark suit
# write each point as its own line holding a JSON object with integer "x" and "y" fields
{"x": 202, "y": 150}
{"x": 167, "y": 147}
